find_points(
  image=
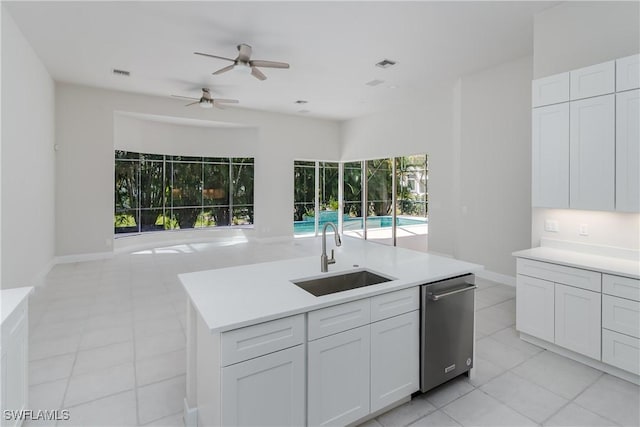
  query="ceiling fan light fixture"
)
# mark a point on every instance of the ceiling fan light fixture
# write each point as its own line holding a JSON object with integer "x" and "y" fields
{"x": 206, "y": 104}
{"x": 242, "y": 68}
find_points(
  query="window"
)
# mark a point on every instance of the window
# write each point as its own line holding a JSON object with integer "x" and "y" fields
{"x": 160, "y": 192}
{"x": 315, "y": 191}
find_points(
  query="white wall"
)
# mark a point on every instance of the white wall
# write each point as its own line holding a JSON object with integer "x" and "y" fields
{"x": 422, "y": 128}
{"x": 28, "y": 161}
{"x": 574, "y": 35}
{"x": 494, "y": 208}
{"x": 85, "y": 133}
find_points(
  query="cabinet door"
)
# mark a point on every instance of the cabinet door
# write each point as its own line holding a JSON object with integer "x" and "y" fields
{"x": 265, "y": 391}
{"x": 578, "y": 320}
{"x": 338, "y": 377}
{"x": 628, "y": 73}
{"x": 534, "y": 307}
{"x": 595, "y": 80}
{"x": 550, "y": 161}
{"x": 628, "y": 151}
{"x": 550, "y": 90}
{"x": 592, "y": 153}
{"x": 395, "y": 352}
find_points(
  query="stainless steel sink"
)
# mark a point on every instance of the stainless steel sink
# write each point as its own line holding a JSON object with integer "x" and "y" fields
{"x": 340, "y": 282}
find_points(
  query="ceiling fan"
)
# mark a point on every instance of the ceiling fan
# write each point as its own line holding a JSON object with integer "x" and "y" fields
{"x": 244, "y": 63}
{"x": 206, "y": 101}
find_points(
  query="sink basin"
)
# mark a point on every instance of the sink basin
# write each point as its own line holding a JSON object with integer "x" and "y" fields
{"x": 340, "y": 282}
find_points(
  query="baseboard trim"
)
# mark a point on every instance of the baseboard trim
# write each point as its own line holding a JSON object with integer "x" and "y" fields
{"x": 66, "y": 259}
{"x": 497, "y": 277}
{"x": 612, "y": 370}
{"x": 38, "y": 279}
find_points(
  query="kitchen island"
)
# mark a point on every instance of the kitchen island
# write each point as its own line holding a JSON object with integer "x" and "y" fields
{"x": 262, "y": 350}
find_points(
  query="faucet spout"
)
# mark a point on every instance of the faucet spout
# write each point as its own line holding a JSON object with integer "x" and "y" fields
{"x": 324, "y": 259}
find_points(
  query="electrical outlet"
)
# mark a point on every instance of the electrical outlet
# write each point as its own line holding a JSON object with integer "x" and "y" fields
{"x": 551, "y": 225}
{"x": 583, "y": 230}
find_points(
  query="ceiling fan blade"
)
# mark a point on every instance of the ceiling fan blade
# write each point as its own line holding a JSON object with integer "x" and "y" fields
{"x": 268, "y": 64}
{"x": 215, "y": 104}
{"x": 257, "y": 74}
{"x": 226, "y": 101}
{"x": 224, "y": 70}
{"x": 214, "y": 56}
{"x": 244, "y": 52}
{"x": 184, "y": 97}
{"x": 192, "y": 103}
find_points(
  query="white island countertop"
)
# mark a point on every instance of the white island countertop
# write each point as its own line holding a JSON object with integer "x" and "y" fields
{"x": 231, "y": 298}
{"x": 601, "y": 263}
{"x": 11, "y": 298}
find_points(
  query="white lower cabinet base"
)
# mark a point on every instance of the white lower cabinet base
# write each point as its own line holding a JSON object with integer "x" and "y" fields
{"x": 621, "y": 351}
{"x": 605, "y": 367}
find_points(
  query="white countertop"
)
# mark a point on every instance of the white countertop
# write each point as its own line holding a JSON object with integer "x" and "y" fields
{"x": 230, "y": 298}
{"x": 600, "y": 263}
{"x": 11, "y": 298}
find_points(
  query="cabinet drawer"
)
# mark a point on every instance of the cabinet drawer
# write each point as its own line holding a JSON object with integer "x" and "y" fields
{"x": 577, "y": 277}
{"x": 628, "y": 73}
{"x": 550, "y": 90}
{"x": 394, "y": 303}
{"x": 253, "y": 341}
{"x": 621, "y": 351}
{"x": 624, "y": 287}
{"x": 338, "y": 318}
{"x": 594, "y": 80}
{"x": 621, "y": 315}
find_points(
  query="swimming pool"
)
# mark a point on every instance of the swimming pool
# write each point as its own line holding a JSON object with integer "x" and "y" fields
{"x": 300, "y": 227}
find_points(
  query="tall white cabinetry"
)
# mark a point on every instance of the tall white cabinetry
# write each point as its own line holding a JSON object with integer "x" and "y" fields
{"x": 585, "y": 138}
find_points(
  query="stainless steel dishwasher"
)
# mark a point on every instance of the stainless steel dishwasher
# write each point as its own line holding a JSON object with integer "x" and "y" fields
{"x": 446, "y": 342}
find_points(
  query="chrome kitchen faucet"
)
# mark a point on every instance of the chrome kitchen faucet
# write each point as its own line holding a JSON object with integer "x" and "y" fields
{"x": 324, "y": 260}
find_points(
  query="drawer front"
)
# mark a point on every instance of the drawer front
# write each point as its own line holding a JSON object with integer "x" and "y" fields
{"x": 550, "y": 90}
{"x": 577, "y": 277}
{"x": 621, "y": 351}
{"x": 395, "y": 303}
{"x": 621, "y": 315}
{"x": 338, "y": 318}
{"x": 253, "y": 341}
{"x": 595, "y": 80}
{"x": 628, "y": 73}
{"x": 623, "y": 287}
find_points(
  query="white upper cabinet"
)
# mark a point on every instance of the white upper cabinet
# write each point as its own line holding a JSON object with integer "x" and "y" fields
{"x": 550, "y": 156}
{"x": 592, "y": 153}
{"x": 628, "y": 73}
{"x": 550, "y": 90}
{"x": 595, "y": 80}
{"x": 628, "y": 151}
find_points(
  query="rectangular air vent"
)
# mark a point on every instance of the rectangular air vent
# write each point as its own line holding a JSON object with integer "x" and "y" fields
{"x": 386, "y": 63}
{"x": 121, "y": 72}
{"x": 374, "y": 82}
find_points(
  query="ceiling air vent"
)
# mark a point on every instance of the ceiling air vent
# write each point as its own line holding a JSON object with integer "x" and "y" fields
{"x": 121, "y": 72}
{"x": 374, "y": 82}
{"x": 386, "y": 63}
{"x": 301, "y": 102}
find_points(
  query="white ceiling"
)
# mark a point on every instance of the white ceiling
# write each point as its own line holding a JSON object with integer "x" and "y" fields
{"x": 332, "y": 47}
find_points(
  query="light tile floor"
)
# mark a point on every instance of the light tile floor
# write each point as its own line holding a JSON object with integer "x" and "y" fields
{"x": 107, "y": 342}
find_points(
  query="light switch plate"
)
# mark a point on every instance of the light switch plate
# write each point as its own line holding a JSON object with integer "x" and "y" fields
{"x": 583, "y": 230}
{"x": 551, "y": 225}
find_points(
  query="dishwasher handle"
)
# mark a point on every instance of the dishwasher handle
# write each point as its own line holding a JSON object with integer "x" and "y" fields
{"x": 437, "y": 297}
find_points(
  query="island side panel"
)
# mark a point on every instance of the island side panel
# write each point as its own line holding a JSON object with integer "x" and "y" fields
{"x": 191, "y": 399}
{"x": 207, "y": 375}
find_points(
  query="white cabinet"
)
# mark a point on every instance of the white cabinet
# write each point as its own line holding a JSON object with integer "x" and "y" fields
{"x": 550, "y": 164}
{"x": 628, "y": 151}
{"x": 14, "y": 354}
{"x": 621, "y": 315}
{"x": 550, "y": 90}
{"x": 592, "y": 153}
{"x": 595, "y": 80}
{"x": 577, "y": 320}
{"x": 395, "y": 352}
{"x": 535, "y": 307}
{"x": 267, "y": 390}
{"x": 628, "y": 73}
{"x": 338, "y": 377}
{"x": 621, "y": 351}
